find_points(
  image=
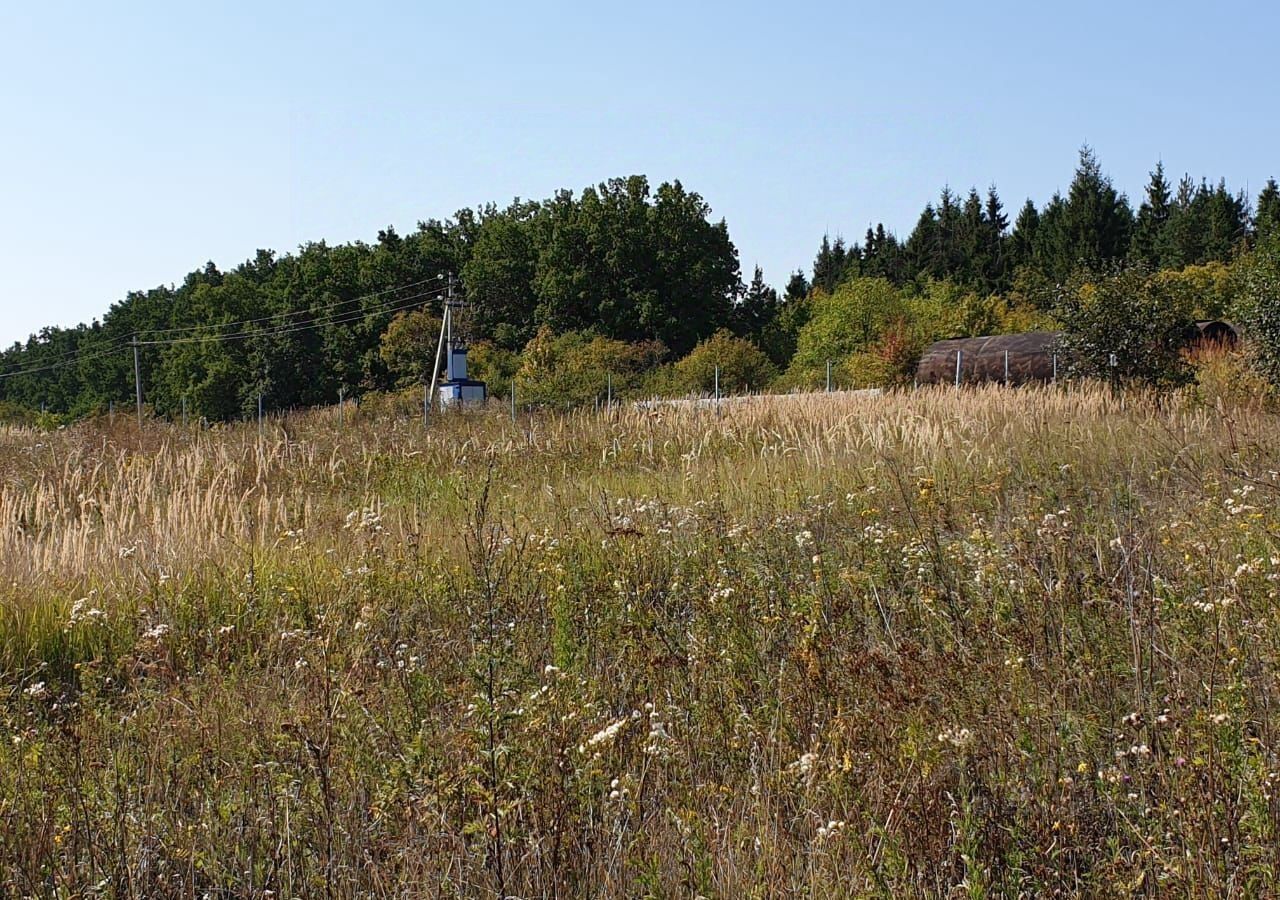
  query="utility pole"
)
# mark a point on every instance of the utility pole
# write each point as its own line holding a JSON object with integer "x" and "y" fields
{"x": 446, "y": 331}
{"x": 137, "y": 378}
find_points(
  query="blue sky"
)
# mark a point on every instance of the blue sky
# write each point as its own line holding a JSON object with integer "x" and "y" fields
{"x": 142, "y": 139}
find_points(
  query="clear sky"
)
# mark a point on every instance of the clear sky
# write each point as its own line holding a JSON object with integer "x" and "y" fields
{"x": 138, "y": 140}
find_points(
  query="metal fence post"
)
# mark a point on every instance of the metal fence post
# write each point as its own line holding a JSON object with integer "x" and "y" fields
{"x": 609, "y": 390}
{"x": 1055, "y": 368}
{"x": 259, "y": 413}
{"x": 828, "y": 376}
{"x": 717, "y": 385}
{"x": 513, "y": 399}
{"x": 1006, "y": 367}
{"x": 958, "y": 355}
{"x": 184, "y": 410}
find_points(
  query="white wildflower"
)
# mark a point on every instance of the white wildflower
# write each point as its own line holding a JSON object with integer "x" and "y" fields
{"x": 604, "y": 736}
{"x": 956, "y": 737}
{"x": 37, "y": 690}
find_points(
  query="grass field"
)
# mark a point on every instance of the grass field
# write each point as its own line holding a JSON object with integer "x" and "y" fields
{"x": 987, "y": 642}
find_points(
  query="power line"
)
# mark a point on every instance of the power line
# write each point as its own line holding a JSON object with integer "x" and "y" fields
{"x": 397, "y": 304}
{"x": 352, "y": 316}
{"x": 108, "y": 351}
{"x": 282, "y": 315}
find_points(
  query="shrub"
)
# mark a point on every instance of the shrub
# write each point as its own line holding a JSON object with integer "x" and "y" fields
{"x": 409, "y": 346}
{"x": 1209, "y": 291}
{"x": 487, "y": 361}
{"x": 577, "y": 367}
{"x": 743, "y": 366}
{"x": 1258, "y": 307}
{"x": 843, "y": 323}
{"x": 1128, "y": 318}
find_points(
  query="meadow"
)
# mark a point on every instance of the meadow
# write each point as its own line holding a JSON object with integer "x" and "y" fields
{"x": 982, "y": 642}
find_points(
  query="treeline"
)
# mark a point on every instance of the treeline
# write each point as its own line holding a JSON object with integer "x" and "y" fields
{"x": 969, "y": 240}
{"x": 631, "y": 287}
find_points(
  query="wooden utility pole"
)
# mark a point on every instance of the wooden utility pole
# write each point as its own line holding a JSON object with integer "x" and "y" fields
{"x": 137, "y": 378}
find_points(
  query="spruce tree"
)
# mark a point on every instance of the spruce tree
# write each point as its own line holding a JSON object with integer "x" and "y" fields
{"x": 921, "y": 248}
{"x": 1227, "y": 218}
{"x": 829, "y": 268}
{"x": 1096, "y": 221}
{"x": 1266, "y": 219}
{"x": 1022, "y": 240}
{"x": 797, "y": 286}
{"x": 1182, "y": 241}
{"x": 1153, "y": 216}
{"x": 996, "y": 225}
{"x": 757, "y": 308}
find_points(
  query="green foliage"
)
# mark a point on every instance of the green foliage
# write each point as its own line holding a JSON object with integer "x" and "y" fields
{"x": 623, "y": 261}
{"x": 409, "y": 347}
{"x": 1153, "y": 217}
{"x": 742, "y": 366}
{"x": 1090, "y": 227}
{"x": 1267, "y": 212}
{"x": 577, "y": 367}
{"x": 13, "y": 414}
{"x": 846, "y": 321}
{"x": 1258, "y": 306}
{"x": 494, "y": 365}
{"x": 1126, "y": 316}
{"x": 1208, "y": 290}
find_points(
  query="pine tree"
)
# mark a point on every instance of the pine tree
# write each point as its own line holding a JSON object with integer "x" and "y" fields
{"x": 1266, "y": 218}
{"x": 997, "y": 226}
{"x": 921, "y": 249}
{"x": 1181, "y": 243}
{"x": 1153, "y": 216}
{"x": 1096, "y": 221}
{"x": 1227, "y": 219}
{"x": 1022, "y": 240}
{"x": 797, "y": 286}
{"x": 830, "y": 266}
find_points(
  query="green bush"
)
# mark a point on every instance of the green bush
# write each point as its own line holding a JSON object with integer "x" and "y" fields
{"x": 1258, "y": 307}
{"x": 742, "y": 365}
{"x": 487, "y": 361}
{"x": 1127, "y": 316}
{"x": 577, "y": 367}
{"x": 846, "y": 321}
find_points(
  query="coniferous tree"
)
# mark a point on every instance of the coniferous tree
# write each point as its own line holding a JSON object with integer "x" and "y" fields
{"x": 831, "y": 265}
{"x": 1227, "y": 218}
{"x": 972, "y": 242}
{"x": 1022, "y": 241}
{"x": 1052, "y": 252}
{"x": 1182, "y": 242}
{"x": 948, "y": 260}
{"x": 1152, "y": 218}
{"x": 1095, "y": 224}
{"x": 757, "y": 309}
{"x": 797, "y": 286}
{"x": 997, "y": 226}
{"x": 921, "y": 248}
{"x": 1266, "y": 218}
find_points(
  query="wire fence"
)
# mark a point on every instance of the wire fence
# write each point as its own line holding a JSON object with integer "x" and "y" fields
{"x": 349, "y": 405}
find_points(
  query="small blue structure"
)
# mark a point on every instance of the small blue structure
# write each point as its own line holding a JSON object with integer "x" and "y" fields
{"x": 459, "y": 389}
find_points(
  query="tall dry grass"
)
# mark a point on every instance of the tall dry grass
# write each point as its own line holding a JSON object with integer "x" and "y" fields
{"x": 982, "y": 641}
